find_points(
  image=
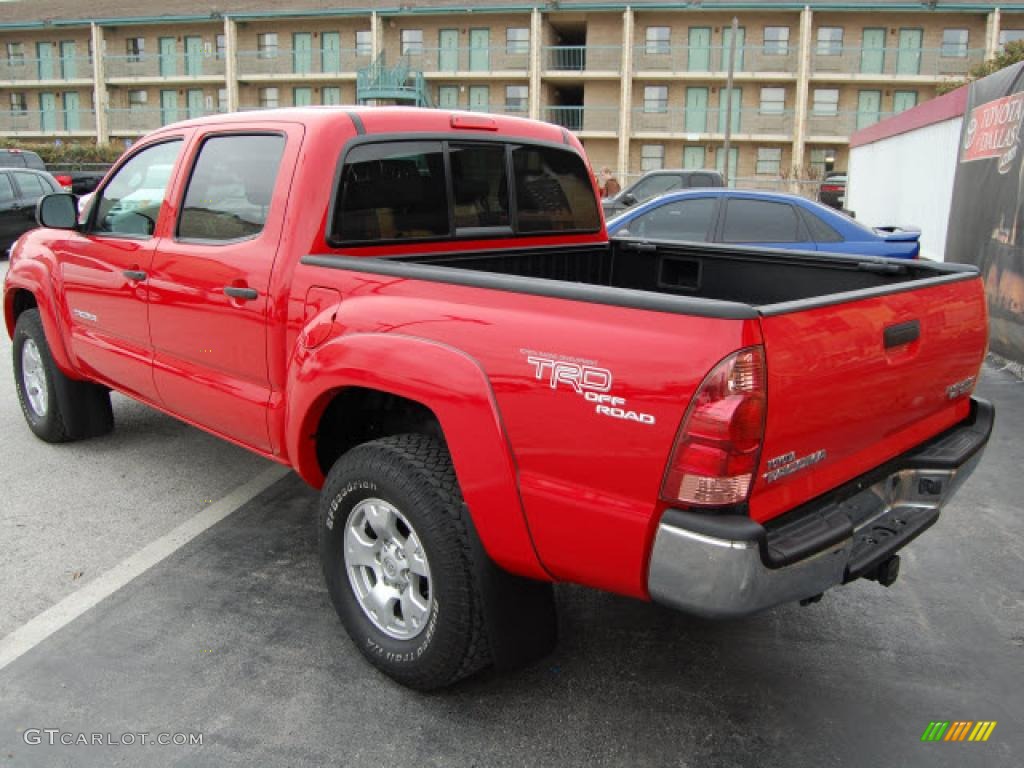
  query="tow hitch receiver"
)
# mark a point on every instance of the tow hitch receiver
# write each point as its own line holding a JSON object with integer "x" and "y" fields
{"x": 886, "y": 572}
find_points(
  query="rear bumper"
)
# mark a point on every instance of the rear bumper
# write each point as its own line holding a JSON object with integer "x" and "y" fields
{"x": 727, "y": 565}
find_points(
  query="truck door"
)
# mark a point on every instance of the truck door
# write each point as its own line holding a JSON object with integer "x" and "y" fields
{"x": 105, "y": 268}
{"x": 210, "y": 278}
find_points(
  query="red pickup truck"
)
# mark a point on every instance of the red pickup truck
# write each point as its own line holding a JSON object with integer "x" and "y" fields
{"x": 421, "y": 313}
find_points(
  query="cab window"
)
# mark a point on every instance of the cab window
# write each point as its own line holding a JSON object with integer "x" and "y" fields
{"x": 130, "y": 203}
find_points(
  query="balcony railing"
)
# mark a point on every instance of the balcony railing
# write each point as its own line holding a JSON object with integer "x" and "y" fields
{"x": 156, "y": 65}
{"x": 57, "y": 121}
{"x": 584, "y": 119}
{"x": 712, "y": 121}
{"x": 583, "y": 58}
{"x": 55, "y": 68}
{"x": 841, "y": 124}
{"x": 315, "y": 61}
{"x": 142, "y": 119}
{"x": 895, "y": 62}
{"x": 708, "y": 58}
{"x": 489, "y": 59}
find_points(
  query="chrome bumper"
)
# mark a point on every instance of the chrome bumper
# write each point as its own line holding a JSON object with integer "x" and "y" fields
{"x": 728, "y": 565}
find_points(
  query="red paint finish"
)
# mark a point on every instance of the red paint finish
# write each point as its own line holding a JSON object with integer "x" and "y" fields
{"x": 557, "y": 487}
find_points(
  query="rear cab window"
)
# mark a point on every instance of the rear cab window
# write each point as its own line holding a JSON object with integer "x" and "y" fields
{"x": 439, "y": 189}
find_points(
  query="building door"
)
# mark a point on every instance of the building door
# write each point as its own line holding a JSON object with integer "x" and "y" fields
{"x": 698, "y": 58}
{"x": 479, "y": 50}
{"x": 872, "y": 51}
{"x": 44, "y": 54}
{"x": 734, "y": 155}
{"x": 68, "y": 60}
{"x": 723, "y": 101}
{"x": 693, "y": 158}
{"x": 903, "y": 100}
{"x": 448, "y": 97}
{"x": 302, "y": 53}
{"x": 302, "y": 97}
{"x": 168, "y": 65}
{"x": 448, "y": 50}
{"x": 479, "y": 98}
{"x": 168, "y": 106}
{"x": 193, "y": 56}
{"x": 47, "y": 112}
{"x": 741, "y": 35}
{"x": 696, "y": 115}
{"x": 330, "y": 55}
{"x": 908, "y": 58}
{"x": 869, "y": 108}
{"x": 196, "y": 107}
{"x": 330, "y": 95}
{"x": 71, "y": 121}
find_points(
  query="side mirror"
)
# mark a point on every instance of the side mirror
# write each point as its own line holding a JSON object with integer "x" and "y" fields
{"x": 57, "y": 211}
{"x": 628, "y": 199}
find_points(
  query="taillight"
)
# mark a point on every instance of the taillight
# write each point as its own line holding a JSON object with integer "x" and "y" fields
{"x": 831, "y": 188}
{"x": 715, "y": 457}
{"x": 63, "y": 179}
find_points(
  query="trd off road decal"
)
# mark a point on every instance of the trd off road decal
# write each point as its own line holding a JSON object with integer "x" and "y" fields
{"x": 585, "y": 378}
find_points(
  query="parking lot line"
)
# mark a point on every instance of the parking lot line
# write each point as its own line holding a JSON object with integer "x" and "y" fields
{"x": 67, "y": 610}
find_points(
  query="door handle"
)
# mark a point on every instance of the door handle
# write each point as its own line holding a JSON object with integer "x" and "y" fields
{"x": 134, "y": 274}
{"x": 245, "y": 294}
{"x": 902, "y": 333}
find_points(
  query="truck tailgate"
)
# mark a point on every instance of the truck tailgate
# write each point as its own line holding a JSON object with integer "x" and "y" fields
{"x": 852, "y": 385}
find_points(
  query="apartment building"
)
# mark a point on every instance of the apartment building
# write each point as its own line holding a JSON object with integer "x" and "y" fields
{"x": 644, "y": 85}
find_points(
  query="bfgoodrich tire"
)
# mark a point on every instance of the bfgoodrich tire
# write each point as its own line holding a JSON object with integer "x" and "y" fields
{"x": 56, "y": 408}
{"x": 395, "y": 547}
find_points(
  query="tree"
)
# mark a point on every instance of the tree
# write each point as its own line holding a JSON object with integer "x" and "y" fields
{"x": 1011, "y": 53}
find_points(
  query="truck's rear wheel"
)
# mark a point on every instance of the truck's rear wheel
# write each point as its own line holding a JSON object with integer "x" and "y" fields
{"x": 57, "y": 409}
{"x": 396, "y": 553}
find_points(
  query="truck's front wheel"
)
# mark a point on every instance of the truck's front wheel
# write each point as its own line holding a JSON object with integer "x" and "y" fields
{"x": 396, "y": 554}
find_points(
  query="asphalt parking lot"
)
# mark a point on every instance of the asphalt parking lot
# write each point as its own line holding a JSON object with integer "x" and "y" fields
{"x": 232, "y": 635}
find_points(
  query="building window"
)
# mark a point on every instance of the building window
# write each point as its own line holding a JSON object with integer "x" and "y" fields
{"x": 903, "y": 100}
{"x": 19, "y": 104}
{"x": 769, "y": 161}
{"x": 330, "y": 95}
{"x": 266, "y": 45}
{"x": 269, "y": 98}
{"x": 656, "y": 98}
{"x": 830, "y": 41}
{"x": 16, "y": 54}
{"x": 659, "y": 40}
{"x": 517, "y": 98}
{"x": 412, "y": 41}
{"x": 221, "y": 47}
{"x": 776, "y": 41}
{"x": 954, "y": 43}
{"x": 1010, "y": 36}
{"x": 773, "y": 101}
{"x": 222, "y": 99}
{"x": 826, "y": 101}
{"x": 517, "y": 40}
{"x": 364, "y": 43}
{"x": 818, "y": 163}
{"x": 137, "y": 99}
{"x": 652, "y": 157}
{"x": 135, "y": 48}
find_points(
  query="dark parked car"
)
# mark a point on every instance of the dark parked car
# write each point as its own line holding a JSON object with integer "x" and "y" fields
{"x": 832, "y": 191}
{"x": 20, "y": 189}
{"x": 78, "y": 182}
{"x": 767, "y": 219}
{"x": 658, "y": 183}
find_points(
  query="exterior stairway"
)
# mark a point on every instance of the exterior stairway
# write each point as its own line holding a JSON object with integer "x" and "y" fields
{"x": 379, "y": 84}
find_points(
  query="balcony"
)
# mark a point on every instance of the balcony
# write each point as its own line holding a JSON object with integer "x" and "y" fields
{"x": 593, "y": 120}
{"x": 686, "y": 123}
{"x": 287, "y": 64}
{"x": 58, "y": 122}
{"x": 48, "y": 70}
{"x": 871, "y": 63}
{"x": 135, "y": 121}
{"x": 574, "y": 59}
{"x": 840, "y": 124}
{"x": 485, "y": 60}
{"x": 696, "y": 60}
{"x": 164, "y": 66}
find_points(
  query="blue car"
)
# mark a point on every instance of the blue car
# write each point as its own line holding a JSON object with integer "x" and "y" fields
{"x": 768, "y": 219}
